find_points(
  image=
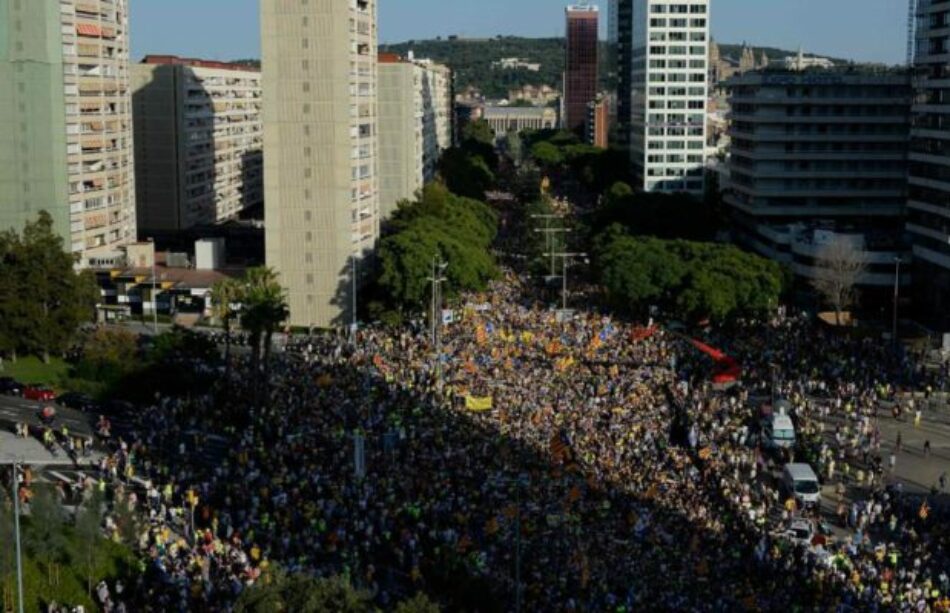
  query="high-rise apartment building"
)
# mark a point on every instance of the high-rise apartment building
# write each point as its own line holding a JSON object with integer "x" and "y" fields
{"x": 668, "y": 94}
{"x": 414, "y": 126}
{"x": 928, "y": 205}
{"x": 65, "y": 122}
{"x": 198, "y": 142}
{"x": 580, "y": 75}
{"x": 819, "y": 157}
{"x": 320, "y": 137}
{"x": 624, "y": 70}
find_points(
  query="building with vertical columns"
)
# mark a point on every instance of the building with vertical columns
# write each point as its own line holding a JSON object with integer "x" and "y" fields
{"x": 580, "y": 72}
{"x": 668, "y": 94}
{"x": 65, "y": 122}
{"x": 504, "y": 119}
{"x": 928, "y": 205}
{"x": 321, "y": 140}
{"x": 198, "y": 142}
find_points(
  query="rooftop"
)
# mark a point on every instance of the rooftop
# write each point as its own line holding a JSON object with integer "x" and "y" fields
{"x": 174, "y": 60}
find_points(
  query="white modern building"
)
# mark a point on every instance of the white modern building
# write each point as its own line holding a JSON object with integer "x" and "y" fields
{"x": 668, "y": 90}
{"x": 817, "y": 157}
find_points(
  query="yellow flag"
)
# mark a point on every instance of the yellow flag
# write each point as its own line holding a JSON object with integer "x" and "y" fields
{"x": 476, "y": 403}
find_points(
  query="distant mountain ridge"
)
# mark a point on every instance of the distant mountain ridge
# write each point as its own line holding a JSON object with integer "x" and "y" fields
{"x": 472, "y": 58}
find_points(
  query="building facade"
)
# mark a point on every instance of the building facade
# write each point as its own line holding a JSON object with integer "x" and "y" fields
{"x": 320, "y": 133}
{"x": 504, "y": 119}
{"x": 580, "y": 75}
{"x": 598, "y": 122}
{"x": 669, "y": 94}
{"x": 401, "y": 131}
{"x": 198, "y": 142}
{"x": 65, "y": 122}
{"x": 928, "y": 205}
{"x": 818, "y": 156}
{"x": 624, "y": 62}
{"x": 415, "y": 126}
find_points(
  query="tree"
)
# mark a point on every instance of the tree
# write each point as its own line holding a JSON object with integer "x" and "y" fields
{"x": 479, "y": 131}
{"x": 840, "y": 265}
{"x": 437, "y": 224}
{"x": 465, "y": 174}
{"x": 690, "y": 279}
{"x": 43, "y": 300}
{"x": 264, "y": 310}
{"x": 45, "y": 537}
{"x": 108, "y": 354}
{"x": 547, "y": 155}
{"x": 277, "y": 592}
{"x": 419, "y": 603}
{"x": 89, "y": 537}
{"x": 225, "y": 295}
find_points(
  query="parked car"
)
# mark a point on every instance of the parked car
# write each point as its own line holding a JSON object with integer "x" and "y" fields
{"x": 39, "y": 393}
{"x": 10, "y": 386}
{"x": 77, "y": 401}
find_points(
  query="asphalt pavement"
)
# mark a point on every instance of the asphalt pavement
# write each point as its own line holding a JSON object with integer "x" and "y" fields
{"x": 14, "y": 410}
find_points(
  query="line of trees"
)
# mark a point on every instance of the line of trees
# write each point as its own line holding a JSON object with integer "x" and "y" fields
{"x": 43, "y": 299}
{"x": 687, "y": 279}
{"x": 438, "y": 224}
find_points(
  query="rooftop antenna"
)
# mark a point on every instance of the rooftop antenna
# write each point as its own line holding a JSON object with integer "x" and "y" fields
{"x": 911, "y": 30}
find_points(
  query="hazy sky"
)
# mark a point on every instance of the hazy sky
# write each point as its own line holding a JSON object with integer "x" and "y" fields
{"x": 867, "y": 30}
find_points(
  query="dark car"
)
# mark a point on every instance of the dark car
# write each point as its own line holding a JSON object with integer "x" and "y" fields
{"x": 10, "y": 386}
{"x": 39, "y": 393}
{"x": 79, "y": 402}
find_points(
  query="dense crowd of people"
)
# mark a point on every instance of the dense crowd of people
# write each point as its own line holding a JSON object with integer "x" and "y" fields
{"x": 570, "y": 463}
{"x": 584, "y": 464}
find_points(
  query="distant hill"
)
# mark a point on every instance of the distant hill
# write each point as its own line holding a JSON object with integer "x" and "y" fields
{"x": 471, "y": 59}
{"x": 729, "y": 50}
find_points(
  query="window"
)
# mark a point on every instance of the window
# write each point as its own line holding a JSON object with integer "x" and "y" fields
{"x": 305, "y": 43}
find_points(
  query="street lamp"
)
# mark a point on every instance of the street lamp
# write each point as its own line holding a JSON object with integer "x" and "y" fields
{"x": 897, "y": 289}
{"x": 154, "y": 290}
{"x": 15, "y": 468}
{"x": 354, "y": 325}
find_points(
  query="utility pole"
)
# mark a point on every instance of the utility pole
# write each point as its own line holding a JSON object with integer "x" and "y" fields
{"x": 354, "y": 325}
{"x": 565, "y": 263}
{"x": 438, "y": 278}
{"x": 549, "y": 233}
{"x": 897, "y": 291}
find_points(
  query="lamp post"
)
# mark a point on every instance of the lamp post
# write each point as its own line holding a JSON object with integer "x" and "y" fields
{"x": 438, "y": 278}
{"x": 15, "y": 469}
{"x": 897, "y": 290}
{"x": 154, "y": 290}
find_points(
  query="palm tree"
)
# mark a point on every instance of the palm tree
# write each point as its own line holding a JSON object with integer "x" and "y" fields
{"x": 224, "y": 295}
{"x": 265, "y": 308}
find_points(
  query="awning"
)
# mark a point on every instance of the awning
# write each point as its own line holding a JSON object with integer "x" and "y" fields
{"x": 92, "y": 143}
{"x": 88, "y": 29}
{"x": 90, "y": 106}
{"x": 108, "y": 33}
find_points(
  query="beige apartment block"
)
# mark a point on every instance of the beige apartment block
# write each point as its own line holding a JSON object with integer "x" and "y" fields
{"x": 65, "y": 116}
{"x": 320, "y": 133}
{"x": 401, "y": 135}
{"x": 415, "y": 125}
{"x": 198, "y": 141}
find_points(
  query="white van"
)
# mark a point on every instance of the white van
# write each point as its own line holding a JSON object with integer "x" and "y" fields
{"x": 779, "y": 431}
{"x": 801, "y": 481}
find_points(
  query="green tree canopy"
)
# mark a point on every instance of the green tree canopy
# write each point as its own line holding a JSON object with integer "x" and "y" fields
{"x": 43, "y": 299}
{"x": 466, "y": 174}
{"x": 689, "y": 279}
{"x": 438, "y": 224}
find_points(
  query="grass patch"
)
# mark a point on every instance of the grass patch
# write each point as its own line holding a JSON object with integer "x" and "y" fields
{"x": 31, "y": 369}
